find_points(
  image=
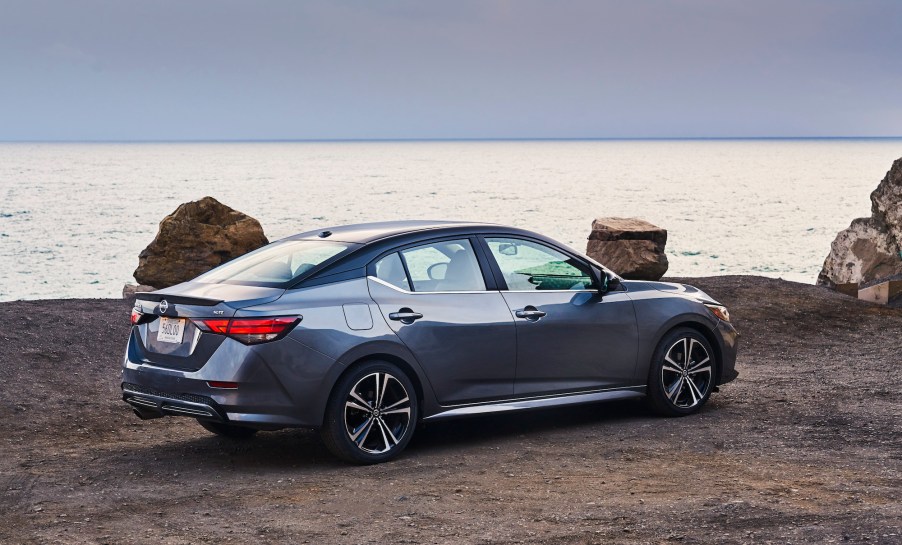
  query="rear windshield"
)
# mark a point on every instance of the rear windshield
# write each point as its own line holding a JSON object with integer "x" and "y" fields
{"x": 274, "y": 265}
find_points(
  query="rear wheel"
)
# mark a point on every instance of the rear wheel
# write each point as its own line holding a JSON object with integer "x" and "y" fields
{"x": 681, "y": 375}
{"x": 227, "y": 430}
{"x": 371, "y": 414}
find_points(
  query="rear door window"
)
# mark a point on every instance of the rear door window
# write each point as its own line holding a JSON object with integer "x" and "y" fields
{"x": 448, "y": 265}
{"x": 390, "y": 269}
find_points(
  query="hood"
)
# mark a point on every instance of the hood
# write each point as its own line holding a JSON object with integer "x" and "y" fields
{"x": 682, "y": 290}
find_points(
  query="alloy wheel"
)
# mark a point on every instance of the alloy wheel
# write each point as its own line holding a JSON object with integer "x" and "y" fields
{"x": 377, "y": 413}
{"x": 686, "y": 373}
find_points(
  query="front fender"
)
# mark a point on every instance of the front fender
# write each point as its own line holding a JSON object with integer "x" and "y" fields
{"x": 658, "y": 313}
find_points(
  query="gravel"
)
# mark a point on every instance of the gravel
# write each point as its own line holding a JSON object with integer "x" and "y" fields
{"x": 804, "y": 447}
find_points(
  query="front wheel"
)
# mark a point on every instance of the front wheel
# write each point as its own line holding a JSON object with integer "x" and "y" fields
{"x": 371, "y": 414}
{"x": 681, "y": 375}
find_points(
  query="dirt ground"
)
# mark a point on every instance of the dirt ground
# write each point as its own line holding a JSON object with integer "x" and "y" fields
{"x": 805, "y": 447}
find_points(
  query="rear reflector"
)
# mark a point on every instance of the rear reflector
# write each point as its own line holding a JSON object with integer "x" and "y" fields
{"x": 249, "y": 330}
{"x": 221, "y": 384}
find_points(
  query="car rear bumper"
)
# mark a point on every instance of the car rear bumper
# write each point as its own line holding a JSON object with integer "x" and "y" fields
{"x": 154, "y": 392}
{"x": 268, "y": 395}
{"x": 149, "y": 403}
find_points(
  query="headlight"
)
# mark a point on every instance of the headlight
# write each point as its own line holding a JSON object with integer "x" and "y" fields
{"x": 720, "y": 311}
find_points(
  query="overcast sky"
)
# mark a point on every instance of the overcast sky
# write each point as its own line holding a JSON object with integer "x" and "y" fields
{"x": 219, "y": 69}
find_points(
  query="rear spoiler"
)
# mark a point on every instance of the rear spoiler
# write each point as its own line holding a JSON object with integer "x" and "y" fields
{"x": 178, "y": 299}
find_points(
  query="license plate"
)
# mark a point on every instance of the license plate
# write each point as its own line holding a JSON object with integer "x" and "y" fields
{"x": 171, "y": 330}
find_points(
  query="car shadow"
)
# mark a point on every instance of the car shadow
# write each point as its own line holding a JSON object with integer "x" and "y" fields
{"x": 297, "y": 448}
{"x": 498, "y": 428}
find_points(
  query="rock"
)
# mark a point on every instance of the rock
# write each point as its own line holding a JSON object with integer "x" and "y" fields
{"x": 861, "y": 253}
{"x": 631, "y": 247}
{"x": 869, "y": 249}
{"x": 129, "y": 290}
{"x": 198, "y": 236}
{"x": 886, "y": 202}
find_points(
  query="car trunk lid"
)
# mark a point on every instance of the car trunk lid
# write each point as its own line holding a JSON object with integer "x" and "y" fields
{"x": 167, "y": 336}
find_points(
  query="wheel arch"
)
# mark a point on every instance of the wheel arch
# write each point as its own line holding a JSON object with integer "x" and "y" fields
{"x": 390, "y": 358}
{"x": 334, "y": 428}
{"x": 712, "y": 339}
{"x": 701, "y": 328}
{"x": 390, "y": 352}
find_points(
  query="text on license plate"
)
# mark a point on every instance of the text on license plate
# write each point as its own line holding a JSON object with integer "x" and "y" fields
{"x": 171, "y": 330}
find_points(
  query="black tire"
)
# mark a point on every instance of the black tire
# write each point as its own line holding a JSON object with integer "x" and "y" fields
{"x": 227, "y": 430}
{"x": 677, "y": 386}
{"x": 351, "y": 416}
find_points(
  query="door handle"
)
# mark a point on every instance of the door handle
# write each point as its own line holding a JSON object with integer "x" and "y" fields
{"x": 530, "y": 313}
{"x": 405, "y": 316}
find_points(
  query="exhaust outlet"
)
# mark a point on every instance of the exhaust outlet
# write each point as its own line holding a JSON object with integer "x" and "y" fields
{"x": 146, "y": 415}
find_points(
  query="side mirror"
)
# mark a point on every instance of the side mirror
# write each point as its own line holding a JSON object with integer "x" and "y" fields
{"x": 437, "y": 271}
{"x": 607, "y": 281}
{"x": 507, "y": 249}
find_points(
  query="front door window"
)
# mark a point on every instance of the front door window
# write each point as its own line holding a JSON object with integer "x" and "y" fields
{"x": 529, "y": 266}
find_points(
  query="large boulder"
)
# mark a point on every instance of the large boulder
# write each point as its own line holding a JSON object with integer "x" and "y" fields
{"x": 886, "y": 202}
{"x": 198, "y": 236}
{"x": 130, "y": 290}
{"x": 861, "y": 253}
{"x": 869, "y": 249}
{"x": 631, "y": 247}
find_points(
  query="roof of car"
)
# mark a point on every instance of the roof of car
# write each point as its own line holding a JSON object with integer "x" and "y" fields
{"x": 377, "y": 239}
{"x": 365, "y": 233}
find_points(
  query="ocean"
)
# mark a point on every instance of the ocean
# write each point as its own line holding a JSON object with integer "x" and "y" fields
{"x": 73, "y": 217}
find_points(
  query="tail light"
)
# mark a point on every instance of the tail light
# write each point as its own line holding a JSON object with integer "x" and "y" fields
{"x": 249, "y": 330}
{"x": 213, "y": 325}
{"x": 139, "y": 317}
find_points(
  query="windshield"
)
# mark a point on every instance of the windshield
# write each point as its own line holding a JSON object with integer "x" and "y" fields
{"x": 275, "y": 264}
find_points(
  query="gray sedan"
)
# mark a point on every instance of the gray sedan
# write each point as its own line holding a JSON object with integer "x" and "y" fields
{"x": 363, "y": 331}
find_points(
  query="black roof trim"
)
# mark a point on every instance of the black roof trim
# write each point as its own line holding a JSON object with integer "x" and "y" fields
{"x": 365, "y": 233}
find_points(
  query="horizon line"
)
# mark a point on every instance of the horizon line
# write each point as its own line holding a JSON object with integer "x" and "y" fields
{"x": 474, "y": 139}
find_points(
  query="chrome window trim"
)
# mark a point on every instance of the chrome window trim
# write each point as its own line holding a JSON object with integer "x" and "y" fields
{"x": 396, "y": 288}
{"x": 549, "y": 291}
